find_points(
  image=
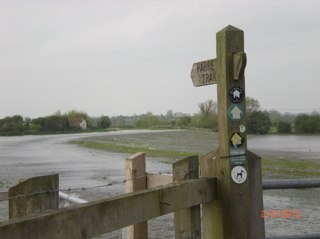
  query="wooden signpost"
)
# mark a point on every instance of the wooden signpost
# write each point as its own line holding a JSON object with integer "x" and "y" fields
{"x": 203, "y": 73}
{"x": 236, "y": 213}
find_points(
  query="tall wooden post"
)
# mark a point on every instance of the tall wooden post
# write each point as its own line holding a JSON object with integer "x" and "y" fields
{"x": 136, "y": 180}
{"x": 34, "y": 195}
{"x": 236, "y": 213}
{"x": 187, "y": 222}
{"x": 234, "y": 197}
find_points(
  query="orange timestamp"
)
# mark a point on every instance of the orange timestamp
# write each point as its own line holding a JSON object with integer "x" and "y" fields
{"x": 281, "y": 213}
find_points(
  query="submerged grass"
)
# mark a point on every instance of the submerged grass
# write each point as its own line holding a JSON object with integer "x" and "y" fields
{"x": 168, "y": 144}
{"x": 133, "y": 149}
{"x": 281, "y": 167}
{"x": 180, "y": 144}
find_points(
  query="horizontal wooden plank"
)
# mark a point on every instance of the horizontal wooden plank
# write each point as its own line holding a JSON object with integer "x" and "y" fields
{"x": 102, "y": 216}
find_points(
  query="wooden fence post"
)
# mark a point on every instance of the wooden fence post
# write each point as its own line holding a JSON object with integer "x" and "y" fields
{"x": 156, "y": 180}
{"x": 34, "y": 195}
{"x": 236, "y": 213}
{"x": 136, "y": 180}
{"x": 187, "y": 222}
{"x": 93, "y": 219}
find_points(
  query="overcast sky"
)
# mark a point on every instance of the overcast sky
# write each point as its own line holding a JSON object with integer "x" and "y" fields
{"x": 112, "y": 57}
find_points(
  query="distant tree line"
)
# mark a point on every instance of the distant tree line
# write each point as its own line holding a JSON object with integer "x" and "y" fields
{"x": 15, "y": 123}
{"x": 258, "y": 121}
{"x": 72, "y": 121}
{"x": 307, "y": 124}
{"x": 295, "y": 123}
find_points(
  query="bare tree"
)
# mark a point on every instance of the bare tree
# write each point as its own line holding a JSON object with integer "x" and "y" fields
{"x": 208, "y": 115}
{"x": 207, "y": 108}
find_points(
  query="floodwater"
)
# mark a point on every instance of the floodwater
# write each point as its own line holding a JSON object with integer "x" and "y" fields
{"x": 305, "y": 201}
{"x": 305, "y": 146}
{"x": 29, "y": 156}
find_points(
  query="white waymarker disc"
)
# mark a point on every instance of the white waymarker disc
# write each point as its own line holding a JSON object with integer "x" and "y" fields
{"x": 239, "y": 174}
{"x": 242, "y": 128}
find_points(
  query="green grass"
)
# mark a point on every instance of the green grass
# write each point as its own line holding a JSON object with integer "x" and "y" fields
{"x": 178, "y": 144}
{"x": 273, "y": 130}
{"x": 133, "y": 149}
{"x": 289, "y": 167}
{"x": 166, "y": 144}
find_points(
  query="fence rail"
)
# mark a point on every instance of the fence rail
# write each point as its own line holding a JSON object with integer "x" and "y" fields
{"x": 102, "y": 216}
{"x": 164, "y": 201}
{"x": 266, "y": 184}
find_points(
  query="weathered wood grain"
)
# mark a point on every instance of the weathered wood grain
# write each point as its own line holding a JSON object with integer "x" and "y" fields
{"x": 34, "y": 195}
{"x": 187, "y": 222}
{"x": 135, "y": 181}
{"x": 236, "y": 213}
{"x": 99, "y": 217}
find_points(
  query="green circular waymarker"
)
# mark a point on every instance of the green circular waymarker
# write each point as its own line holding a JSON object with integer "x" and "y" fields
{"x": 235, "y": 112}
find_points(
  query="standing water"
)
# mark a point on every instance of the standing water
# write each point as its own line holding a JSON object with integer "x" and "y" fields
{"x": 30, "y": 156}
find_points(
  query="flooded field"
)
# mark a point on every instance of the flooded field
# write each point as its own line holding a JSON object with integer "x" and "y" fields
{"x": 28, "y": 156}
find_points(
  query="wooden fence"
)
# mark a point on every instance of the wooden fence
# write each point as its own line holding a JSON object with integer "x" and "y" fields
{"x": 99, "y": 217}
{"x": 34, "y": 213}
